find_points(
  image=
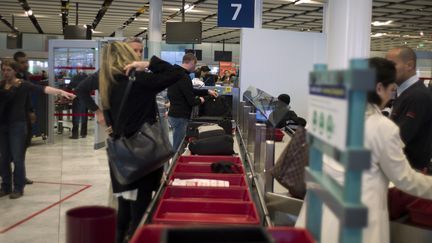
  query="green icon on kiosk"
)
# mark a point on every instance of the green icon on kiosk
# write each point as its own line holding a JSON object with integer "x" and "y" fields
{"x": 330, "y": 126}
{"x": 321, "y": 122}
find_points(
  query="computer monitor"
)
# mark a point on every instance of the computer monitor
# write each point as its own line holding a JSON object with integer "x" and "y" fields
{"x": 260, "y": 117}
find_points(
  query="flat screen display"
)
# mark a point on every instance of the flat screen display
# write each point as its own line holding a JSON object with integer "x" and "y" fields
{"x": 260, "y": 117}
{"x": 14, "y": 41}
{"x": 183, "y": 32}
{"x": 196, "y": 52}
{"x": 223, "y": 56}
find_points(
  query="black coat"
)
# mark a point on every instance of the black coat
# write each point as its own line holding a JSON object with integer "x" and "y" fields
{"x": 140, "y": 107}
{"x": 182, "y": 96}
{"x": 412, "y": 112}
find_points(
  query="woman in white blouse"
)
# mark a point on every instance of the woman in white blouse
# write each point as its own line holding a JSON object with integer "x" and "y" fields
{"x": 389, "y": 164}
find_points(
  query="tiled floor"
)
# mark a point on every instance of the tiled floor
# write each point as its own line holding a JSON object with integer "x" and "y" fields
{"x": 69, "y": 171}
{"x": 67, "y": 174}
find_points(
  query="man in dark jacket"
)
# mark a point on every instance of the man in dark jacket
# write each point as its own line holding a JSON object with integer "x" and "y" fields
{"x": 412, "y": 108}
{"x": 183, "y": 97}
{"x": 79, "y": 110}
{"x": 23, "y": 73}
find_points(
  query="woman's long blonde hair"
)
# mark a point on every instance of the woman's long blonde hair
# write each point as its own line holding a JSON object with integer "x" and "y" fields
{"x": 115, "y": 56}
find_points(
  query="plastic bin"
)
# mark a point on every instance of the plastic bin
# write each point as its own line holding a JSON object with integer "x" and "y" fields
{"x": 170, "y": 211}
{"x": 239, "y": 194}
{"x": 200, "y": 168}
{"x": 152, "y": 233}
{"x": 290, "y": 235}
{"x": 234, "y": 179}
{"x": 420, "y": 212}
{"x": 200, "y": 159}
{"x": 90, "y": 224}
{"x": 216, "y": 235}
{"x": 276, "y": 136}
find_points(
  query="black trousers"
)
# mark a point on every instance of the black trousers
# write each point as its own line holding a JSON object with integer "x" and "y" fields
{"x": 130, "y": 213}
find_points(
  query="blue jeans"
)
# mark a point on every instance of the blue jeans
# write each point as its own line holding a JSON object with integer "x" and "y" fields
{"x": 179, "y": 126}
{"x": 79, "y": 112}
{"x": 12, "y": 148}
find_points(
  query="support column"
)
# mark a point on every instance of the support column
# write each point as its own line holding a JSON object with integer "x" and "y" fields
{"x": 154, "y": 29}
{"x": 348, "y": 31}
{"x": 258, "y": 14}
{"x": 325, "y": 18}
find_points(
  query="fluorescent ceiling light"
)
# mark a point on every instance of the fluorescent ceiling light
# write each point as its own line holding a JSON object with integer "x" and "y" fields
{"x": 188, "y": 7}
{"x": 142, "y": 28}
{"x": 378, "y": 34}
{"x": 36, "y": 15}
{"x": 381, "y": 23}
{"x": 28, "y": 13}
{"x": 142, "y": 19}
{"x": 308, "y": 2}
{"x": 411, "y": 36}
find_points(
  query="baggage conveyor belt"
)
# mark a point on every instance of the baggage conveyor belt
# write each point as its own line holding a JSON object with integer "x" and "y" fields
{"x": 177, "y": 205}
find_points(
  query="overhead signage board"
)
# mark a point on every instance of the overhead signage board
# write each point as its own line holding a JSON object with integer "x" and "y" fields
{"x": 236, "y": 13}
{"x": 328, "y": 114}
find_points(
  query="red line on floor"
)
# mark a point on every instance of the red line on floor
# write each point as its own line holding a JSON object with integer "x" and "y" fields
{"x": 61, "y": 183}
{"x": 45, "y": 209}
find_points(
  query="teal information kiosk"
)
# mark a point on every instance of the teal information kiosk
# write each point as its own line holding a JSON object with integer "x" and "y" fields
{"x": 337, "y": 103}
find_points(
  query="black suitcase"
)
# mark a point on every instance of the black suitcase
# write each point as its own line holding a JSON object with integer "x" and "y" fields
{"x": 218, "y": 107}
{"x": 220, "y": 145}
{"x": 210, "y": 130}
{"x": 192, "y": 128}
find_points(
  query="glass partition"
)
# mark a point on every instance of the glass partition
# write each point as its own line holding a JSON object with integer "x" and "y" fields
{"x": 276, "y": 114}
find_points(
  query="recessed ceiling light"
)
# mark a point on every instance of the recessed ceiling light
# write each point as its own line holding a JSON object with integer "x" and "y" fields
{"x": 28, "y": 13}
{"x": 421, "y": 33}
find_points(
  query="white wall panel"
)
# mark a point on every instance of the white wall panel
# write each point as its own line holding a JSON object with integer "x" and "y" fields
{"x": 279, "y": 61}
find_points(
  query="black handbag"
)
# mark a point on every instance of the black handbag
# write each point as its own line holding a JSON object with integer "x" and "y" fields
{"x": 132, "y": 158}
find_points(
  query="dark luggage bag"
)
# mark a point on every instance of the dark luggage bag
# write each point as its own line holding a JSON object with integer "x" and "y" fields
{"x": 219, "y": 145}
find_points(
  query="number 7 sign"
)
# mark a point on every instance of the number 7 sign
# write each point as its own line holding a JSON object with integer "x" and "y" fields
{"x": 236, "y": 13}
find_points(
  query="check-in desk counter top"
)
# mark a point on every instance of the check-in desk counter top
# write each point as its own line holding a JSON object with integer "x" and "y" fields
{"x": 402, "y": 231}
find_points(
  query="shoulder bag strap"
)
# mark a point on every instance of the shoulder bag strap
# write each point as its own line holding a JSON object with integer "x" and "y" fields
{"x": 118, "y": 127}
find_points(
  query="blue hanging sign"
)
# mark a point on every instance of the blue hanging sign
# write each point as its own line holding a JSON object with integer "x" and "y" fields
{"x": 236, "y": 13}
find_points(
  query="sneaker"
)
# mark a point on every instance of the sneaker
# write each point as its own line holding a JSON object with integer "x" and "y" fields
{"x": 16, "y": 194}
{"x": 28, "y": 181}
{"x": 4, "y": 193}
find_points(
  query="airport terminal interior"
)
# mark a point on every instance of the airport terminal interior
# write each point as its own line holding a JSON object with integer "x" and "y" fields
{"x": 276, "y": 137}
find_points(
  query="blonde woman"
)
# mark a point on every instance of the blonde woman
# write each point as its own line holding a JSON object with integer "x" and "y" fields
{"x": 117, "y": 61}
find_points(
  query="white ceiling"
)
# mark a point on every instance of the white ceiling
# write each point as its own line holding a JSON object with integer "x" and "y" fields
{"x": 410, "y": 17}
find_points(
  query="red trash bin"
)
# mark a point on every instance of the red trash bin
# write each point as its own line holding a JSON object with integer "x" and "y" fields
{"x": 90, "y": 224}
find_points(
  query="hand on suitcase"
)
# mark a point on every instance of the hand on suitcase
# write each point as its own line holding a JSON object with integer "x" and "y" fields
{"x": 212, "y": 93}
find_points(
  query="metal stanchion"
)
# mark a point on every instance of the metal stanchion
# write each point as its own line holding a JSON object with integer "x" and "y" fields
{"x": 260, "y": 137}
{"x": 268, "y": 164}
{"x": 246, "y": 110}
{"x": 252, "y": 133}
{"x": 240, "y": 116}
